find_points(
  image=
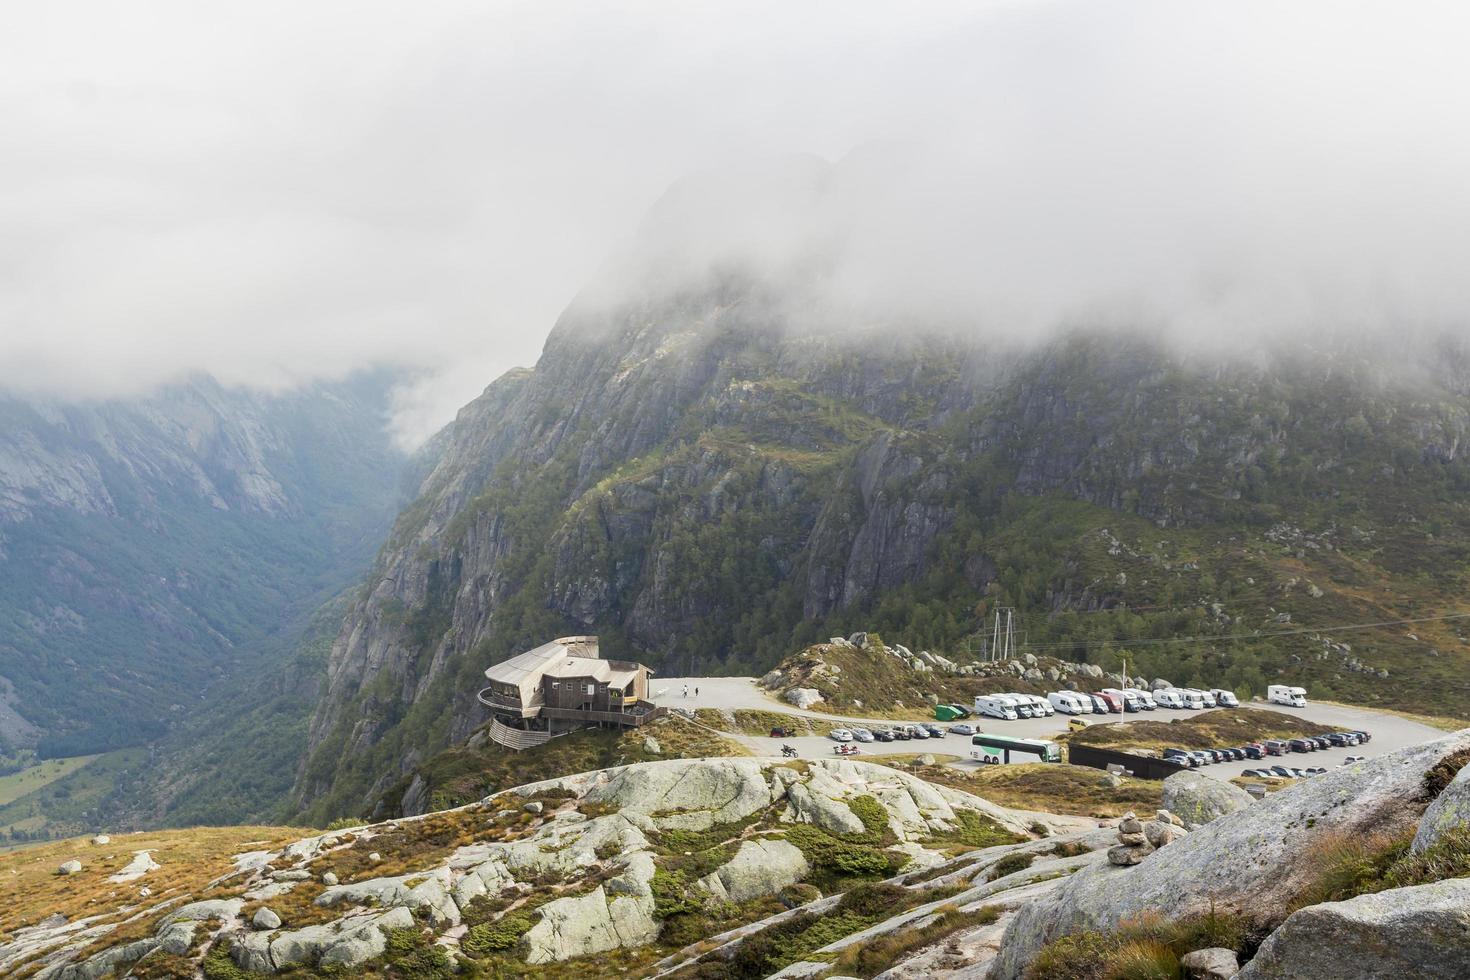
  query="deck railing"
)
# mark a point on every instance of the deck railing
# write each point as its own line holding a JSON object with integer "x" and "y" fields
{"x": 516, "y": 738}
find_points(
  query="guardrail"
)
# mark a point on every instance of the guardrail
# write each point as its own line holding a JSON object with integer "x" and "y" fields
{"x": 516, "y": 738}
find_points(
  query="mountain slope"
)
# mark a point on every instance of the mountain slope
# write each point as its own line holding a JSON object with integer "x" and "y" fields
{"x": 150, "y": 546}
{"x": 710, "y": 485}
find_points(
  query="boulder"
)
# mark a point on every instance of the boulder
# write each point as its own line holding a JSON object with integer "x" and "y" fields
{"x": 651, "y": 746}
{"x": 265, "y": 919}
{"x": 1246, "y": 863}
{"x": 1160, "y": 833}
{"x": 1450, "y": 809}
{"x": 1215, "y": 963}
{"x": 1421, "y": 932}
{"x": 1159, "y": 684}
{"x": 534, "y": 807}
{"x": 858, "y": 640}
{"x": 803, "y": 697}
{"x": 759, "y": 868}
{"x": 926, "y": 760}
{"x": 1090, "y": 670}
{"x": 822, "y": 811}
{"x": 588, "y": 924}
{"x": 69, "y": 867}
{"x": 685, "y": 794}
{"x": 1198, "y": 798}
{"x": 329, "y": 878}
{"x": 772, "y": 680}
{"x": 101, "y": 839}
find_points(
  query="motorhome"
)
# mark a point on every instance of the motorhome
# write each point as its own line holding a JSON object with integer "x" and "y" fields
{"x": 1069, "y": 703}
{"x": 995, "y": 706}
{"x": 1209, "y": 698}
{"x": 1188, "y": 698}
{"x": 1024, "y": 708}
{"x": 1043, "y": 707}
{"x": 1145, "y": 699}
{"x": 1168, "y": 698}
{"x": 1295, "y": 697}
{"x": 1114, "y": 701}
{"x": 1128, "y": 698}
{"x": 1224, "y": 698}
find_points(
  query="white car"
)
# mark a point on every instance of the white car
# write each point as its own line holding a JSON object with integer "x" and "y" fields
{"x": 862, "y": 735}
{"x": 918, "y": 731}
{"x": 840, "y": 735}
{"x": 962, "y": 729}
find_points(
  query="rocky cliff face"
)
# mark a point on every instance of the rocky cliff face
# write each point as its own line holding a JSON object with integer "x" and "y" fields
{"x": 708, "y": 483}
{"x": 146, "y": 544}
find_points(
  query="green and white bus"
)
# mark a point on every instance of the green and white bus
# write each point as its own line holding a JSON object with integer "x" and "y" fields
{"x": 998, "y": 748}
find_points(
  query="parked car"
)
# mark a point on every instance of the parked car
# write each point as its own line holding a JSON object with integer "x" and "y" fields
{"x": 1363, "y": 736}
{"x": 1315, "y": 771}
{"x": 1282, "y": 771}
{"x": 1255, "y": 750}
{"x": 1320, "y": 741}
{"x": 1181, "y": 757}
{"x": 1275, "y": 747}
{"x": 840, "y": 735}
{"x": 934, "y": 731}
{"x": 1099, "y": 704}
{"x": 1300, "y": 745}
{"x": 862, "y": 735}
{"x": 962, "y": 729}
{"x": 1205, "y": 759}
{"x": 918, "y": 731}
{"x": 901, "y": 733}
{"x": 1353, "y": 758}
{"x": 882, "y": 735}
{"x": 1338, "y": 739}
{"x": 1168, "y": 698}
{"x": 781, "y": 731}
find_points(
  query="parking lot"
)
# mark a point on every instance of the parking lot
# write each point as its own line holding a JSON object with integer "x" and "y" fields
{"x": 1389, "y": 732}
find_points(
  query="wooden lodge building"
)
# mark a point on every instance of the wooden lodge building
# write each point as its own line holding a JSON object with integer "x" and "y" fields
{"x": 560, "y": 687}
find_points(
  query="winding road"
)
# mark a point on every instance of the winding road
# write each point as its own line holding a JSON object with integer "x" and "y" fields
{"x": 1389, "y": 731}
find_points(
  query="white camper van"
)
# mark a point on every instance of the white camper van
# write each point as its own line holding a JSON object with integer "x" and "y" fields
{"x": 1042, "y": 706}
{"x": 1224, "y": 698}
{"x": 1209, "y": 698}
{"x": 1145, "y": 699}
{"x": 1069, "y": 703}
{"x": 995, "y": 706}
{"x": 1023, "y": 707}
{"x": 1190, "y": 698}
{"x": 1168, "y": 698}
{"x": 1296, "y": 697}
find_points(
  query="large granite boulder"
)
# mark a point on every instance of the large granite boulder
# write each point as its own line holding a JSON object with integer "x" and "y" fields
{"x": 1198, "y": 799}
{"x": 803, "y": 697}
{"x": 688, "y": 794}
{"x": 1449, "y": 810}
{"x": 1244, "y": 862}
{"x": 825, "y": 812}
{"x": 759, "y": 868}
{"x": 1421, "y": 932}
{"x": 588, "y": 924}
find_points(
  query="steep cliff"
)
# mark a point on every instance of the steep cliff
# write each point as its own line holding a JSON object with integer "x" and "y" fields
{"x": 708, "y": 482}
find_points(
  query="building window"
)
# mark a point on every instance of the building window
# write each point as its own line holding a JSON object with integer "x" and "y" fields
{"x": 591, "y": 688}
{"x": 555, "y": 685}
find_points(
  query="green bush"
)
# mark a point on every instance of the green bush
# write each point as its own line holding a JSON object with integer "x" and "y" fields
{"x": 492, "y": 936}
{"x": 412, "y": 956}
{"x": 217, "y": 965}
{"x": 826, "y": 850}
{"x": 672, "y": 895}
{"x": 1011, "y": 863}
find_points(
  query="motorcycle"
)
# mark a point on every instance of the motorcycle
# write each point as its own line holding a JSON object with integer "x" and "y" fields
{"x": 788, "y": 752}
{"x": 846, "y": 750}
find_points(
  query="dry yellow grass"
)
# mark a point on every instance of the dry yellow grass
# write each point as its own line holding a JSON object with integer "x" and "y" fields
{"x": 31, "y": 890}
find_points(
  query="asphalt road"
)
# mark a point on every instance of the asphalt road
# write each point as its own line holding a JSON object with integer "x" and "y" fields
{"x": 1389, "y": 731}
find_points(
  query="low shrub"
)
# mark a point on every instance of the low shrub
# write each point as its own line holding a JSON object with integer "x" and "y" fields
{"x": 412, "y": 955}
{"x": 1147, "y": 948}
{"x": 1143, "y": 959}
{"x": 491, "y": 936}
{"x": 1011, "y": 863}
{"x": 868, "y": 959}
{"x": 1447, "y": 857}
{"x": 827, "y": 850}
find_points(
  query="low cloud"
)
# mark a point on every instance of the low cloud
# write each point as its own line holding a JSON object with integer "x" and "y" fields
{"x": 282, "y": 192}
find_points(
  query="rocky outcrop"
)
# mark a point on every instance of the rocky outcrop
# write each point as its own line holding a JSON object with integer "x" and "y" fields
{"x": 1244, "y": 862}
{"x": 1198, "y": 799}
{"x": 760, "y": 867}
{"x": 1450, "y": 810}
{"x": 1421, "y": 932}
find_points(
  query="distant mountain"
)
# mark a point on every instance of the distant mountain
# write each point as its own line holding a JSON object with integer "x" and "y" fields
{"x": 151, "y": 549}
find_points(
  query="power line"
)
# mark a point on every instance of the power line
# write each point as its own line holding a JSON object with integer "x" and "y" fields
{"x": 1258, "y": 635}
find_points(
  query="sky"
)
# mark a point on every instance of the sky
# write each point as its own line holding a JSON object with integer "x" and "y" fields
{"x": 276, "y": 193}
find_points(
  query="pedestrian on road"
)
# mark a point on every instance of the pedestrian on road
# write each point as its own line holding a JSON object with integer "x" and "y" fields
{"x": 686, "y": 690}
{"x": 696, "y": 692}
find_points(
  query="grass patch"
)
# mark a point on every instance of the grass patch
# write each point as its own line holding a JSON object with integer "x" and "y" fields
{"x": 972, "y": 830}
{"x": 1208, "y": 729}
{"x": 32, "y": 778}
{"x": 1146, "y": 948}
{"x": 1051, "y": 788}
{"x": 1344, "y": 866}
{"x": 871, "y": 958}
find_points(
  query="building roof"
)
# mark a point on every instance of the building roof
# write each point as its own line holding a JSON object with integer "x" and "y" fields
{"x": 570, "y": 656}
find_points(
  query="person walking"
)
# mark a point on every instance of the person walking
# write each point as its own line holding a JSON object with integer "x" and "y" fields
{"x": 696, "y": 692}
{"x": 686, "y": 690}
